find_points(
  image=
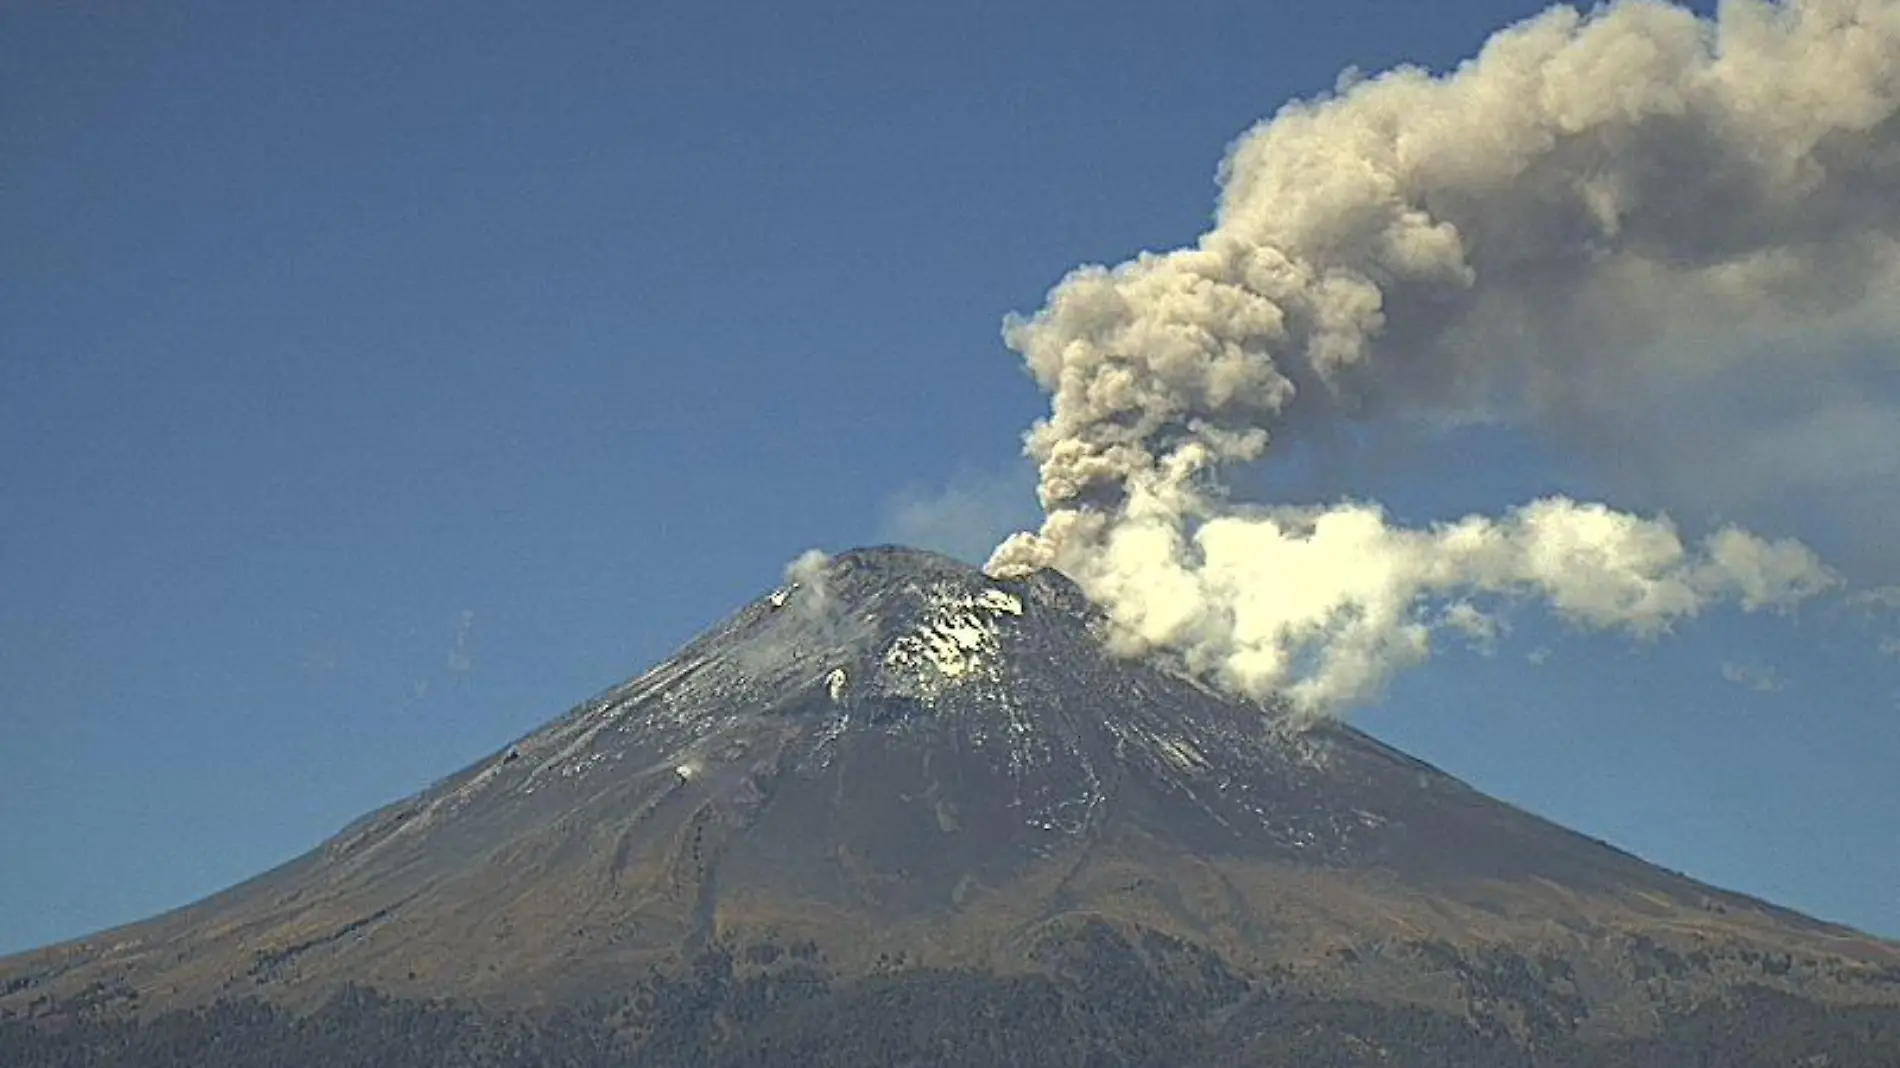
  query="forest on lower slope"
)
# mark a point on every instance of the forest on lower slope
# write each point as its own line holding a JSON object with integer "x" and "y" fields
{"x": 1101, "y": 1005}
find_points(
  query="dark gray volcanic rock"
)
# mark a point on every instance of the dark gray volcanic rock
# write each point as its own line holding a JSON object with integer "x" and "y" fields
{"x": 905, "y": 764}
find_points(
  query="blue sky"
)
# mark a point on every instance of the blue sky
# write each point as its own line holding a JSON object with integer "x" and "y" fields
{"x": 376, "y": 384}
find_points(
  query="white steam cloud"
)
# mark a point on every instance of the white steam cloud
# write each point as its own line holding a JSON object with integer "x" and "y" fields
{"x": 806, "y": 579}
{"x": 1582, "y": 214}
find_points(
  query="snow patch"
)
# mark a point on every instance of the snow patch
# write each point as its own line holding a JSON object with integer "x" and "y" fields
{"x": 957, "y": 640}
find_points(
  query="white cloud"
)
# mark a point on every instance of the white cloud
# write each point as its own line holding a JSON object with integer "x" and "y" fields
{"x": 1757, "y": 677}
{"x": 1481, "y": 628}
{"x": 1877, "y": 599}
{"x": 1325, "y": 604}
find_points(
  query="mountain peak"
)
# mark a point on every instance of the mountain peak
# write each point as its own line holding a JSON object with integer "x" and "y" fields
{"x": 894, "y": 583}
{"x": 890, "y": 623}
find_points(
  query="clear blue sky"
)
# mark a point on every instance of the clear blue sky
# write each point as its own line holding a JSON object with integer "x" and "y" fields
{"x": 377, "y": 383}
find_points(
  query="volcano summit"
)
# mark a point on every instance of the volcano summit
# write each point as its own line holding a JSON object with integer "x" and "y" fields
{"x": 900, "y": 811}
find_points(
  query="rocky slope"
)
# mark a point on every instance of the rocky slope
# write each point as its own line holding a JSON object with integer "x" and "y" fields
{"x": 901, "y": 769}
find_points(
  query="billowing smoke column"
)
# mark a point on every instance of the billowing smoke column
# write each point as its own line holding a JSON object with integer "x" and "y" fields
{"x": 1574, "y": 213}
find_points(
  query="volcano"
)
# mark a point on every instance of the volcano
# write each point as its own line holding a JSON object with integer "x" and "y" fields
{"x": 903, "y": 812}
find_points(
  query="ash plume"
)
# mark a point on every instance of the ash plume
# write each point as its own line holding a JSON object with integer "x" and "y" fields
{"x": 1586, "y": 213}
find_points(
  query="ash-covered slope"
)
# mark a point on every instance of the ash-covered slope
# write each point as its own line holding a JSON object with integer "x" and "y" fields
{"x": 900, "y": 763}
